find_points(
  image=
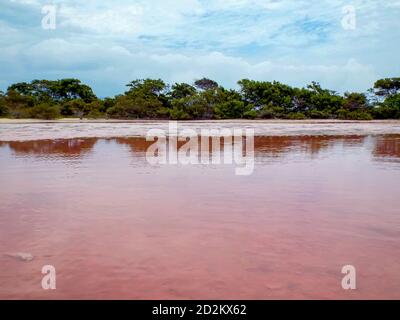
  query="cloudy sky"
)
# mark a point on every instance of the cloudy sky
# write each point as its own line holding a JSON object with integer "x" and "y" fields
{"x": 109, "y": 43}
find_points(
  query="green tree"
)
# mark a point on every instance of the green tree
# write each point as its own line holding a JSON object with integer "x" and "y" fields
{"x": 355, "y": 101}
{"x": 387, "y": 87}
{"x": 153, "y": 99}
{"x": 136, "y": 107}
{"x": 389, "y": 109}
{"x": 229, "y": 105}
{"x": 17, "y": 104}
{"x": 206, "y": 84}
{"x": 145, "y": 99}
{"x": 54, "y": 91}
{"x": 80, "y": 108}
{"x": 108, "y": 103}
{"x": 271, "y": 94}
{"x": 323, "y": 99}
{"x": 3, "y": 107}
{"x": 190, "y": 107}
{"x": 188, "y": 103}
{"x": 69, "y": 89}
{"x": 146, "y": 87}
{"x": 182, "y": 90}
{"x": 233, "y": 109}
{"x": 387, "y": 98}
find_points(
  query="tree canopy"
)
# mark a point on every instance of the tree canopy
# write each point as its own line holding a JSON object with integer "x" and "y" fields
{"x": 202, "y": 99}
{"x": 387, "y": 87}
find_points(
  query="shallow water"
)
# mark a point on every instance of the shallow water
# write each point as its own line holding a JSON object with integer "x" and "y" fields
{"x": 115, "y": 226}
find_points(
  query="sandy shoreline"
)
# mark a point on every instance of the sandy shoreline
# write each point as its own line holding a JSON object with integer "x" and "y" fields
{"x": 30, "y": 130}
{"x": 242, "y": 121}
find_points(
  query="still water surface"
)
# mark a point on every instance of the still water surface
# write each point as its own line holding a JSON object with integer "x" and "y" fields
{"x": 116, "y": 227}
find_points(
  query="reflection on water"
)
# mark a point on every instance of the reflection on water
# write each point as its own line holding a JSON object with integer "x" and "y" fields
{"x": 59, "y": 148}
{"x": 385, "y": 147}
{"x": 116, "y": 227}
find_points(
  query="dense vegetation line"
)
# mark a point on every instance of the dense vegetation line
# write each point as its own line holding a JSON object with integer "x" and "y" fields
{"x": 205, "y": 99}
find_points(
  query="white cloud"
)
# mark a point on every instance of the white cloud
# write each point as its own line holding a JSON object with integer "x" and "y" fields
{"x": 110, "y": 43}
{"x": 115, "y": 66}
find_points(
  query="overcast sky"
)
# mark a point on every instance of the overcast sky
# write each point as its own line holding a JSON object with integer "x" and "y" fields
{"x": 106, "y": 44}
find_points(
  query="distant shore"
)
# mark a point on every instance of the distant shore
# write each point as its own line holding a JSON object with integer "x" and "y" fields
{"x": 77, "y": 120}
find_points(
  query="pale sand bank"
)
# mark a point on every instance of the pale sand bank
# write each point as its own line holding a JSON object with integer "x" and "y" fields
{"x": 28, "y": 129}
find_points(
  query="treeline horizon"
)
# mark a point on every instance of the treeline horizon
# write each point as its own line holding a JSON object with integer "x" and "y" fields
{"x": 202, "y": 100}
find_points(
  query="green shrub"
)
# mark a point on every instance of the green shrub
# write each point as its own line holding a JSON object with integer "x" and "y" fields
{"x": 153, "y": 99}
{"x": 3, "y": 109}
{"x": 359, "y": 115}
{"x": 389, "y": 109}
{"x": 95, "y": 114}
{"x": 73, "y": 108}
{"x": 271, "y": 112}
{"x": 44, "y": 111}
{"x": 20, "y": 113}
{"x": 296, "y": 116}
{"x": 234, "y": 109}
{"x": 384, "y": 112}
{"x": 177, "y": 114}
{"x": 317, "y": 114}
{"x": 266, "y": 114}
{"x": 342, "y": 114}
{"x": 251, "y": 114}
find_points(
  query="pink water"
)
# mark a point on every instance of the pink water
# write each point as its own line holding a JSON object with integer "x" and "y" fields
{"x": 116, "y": 227}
